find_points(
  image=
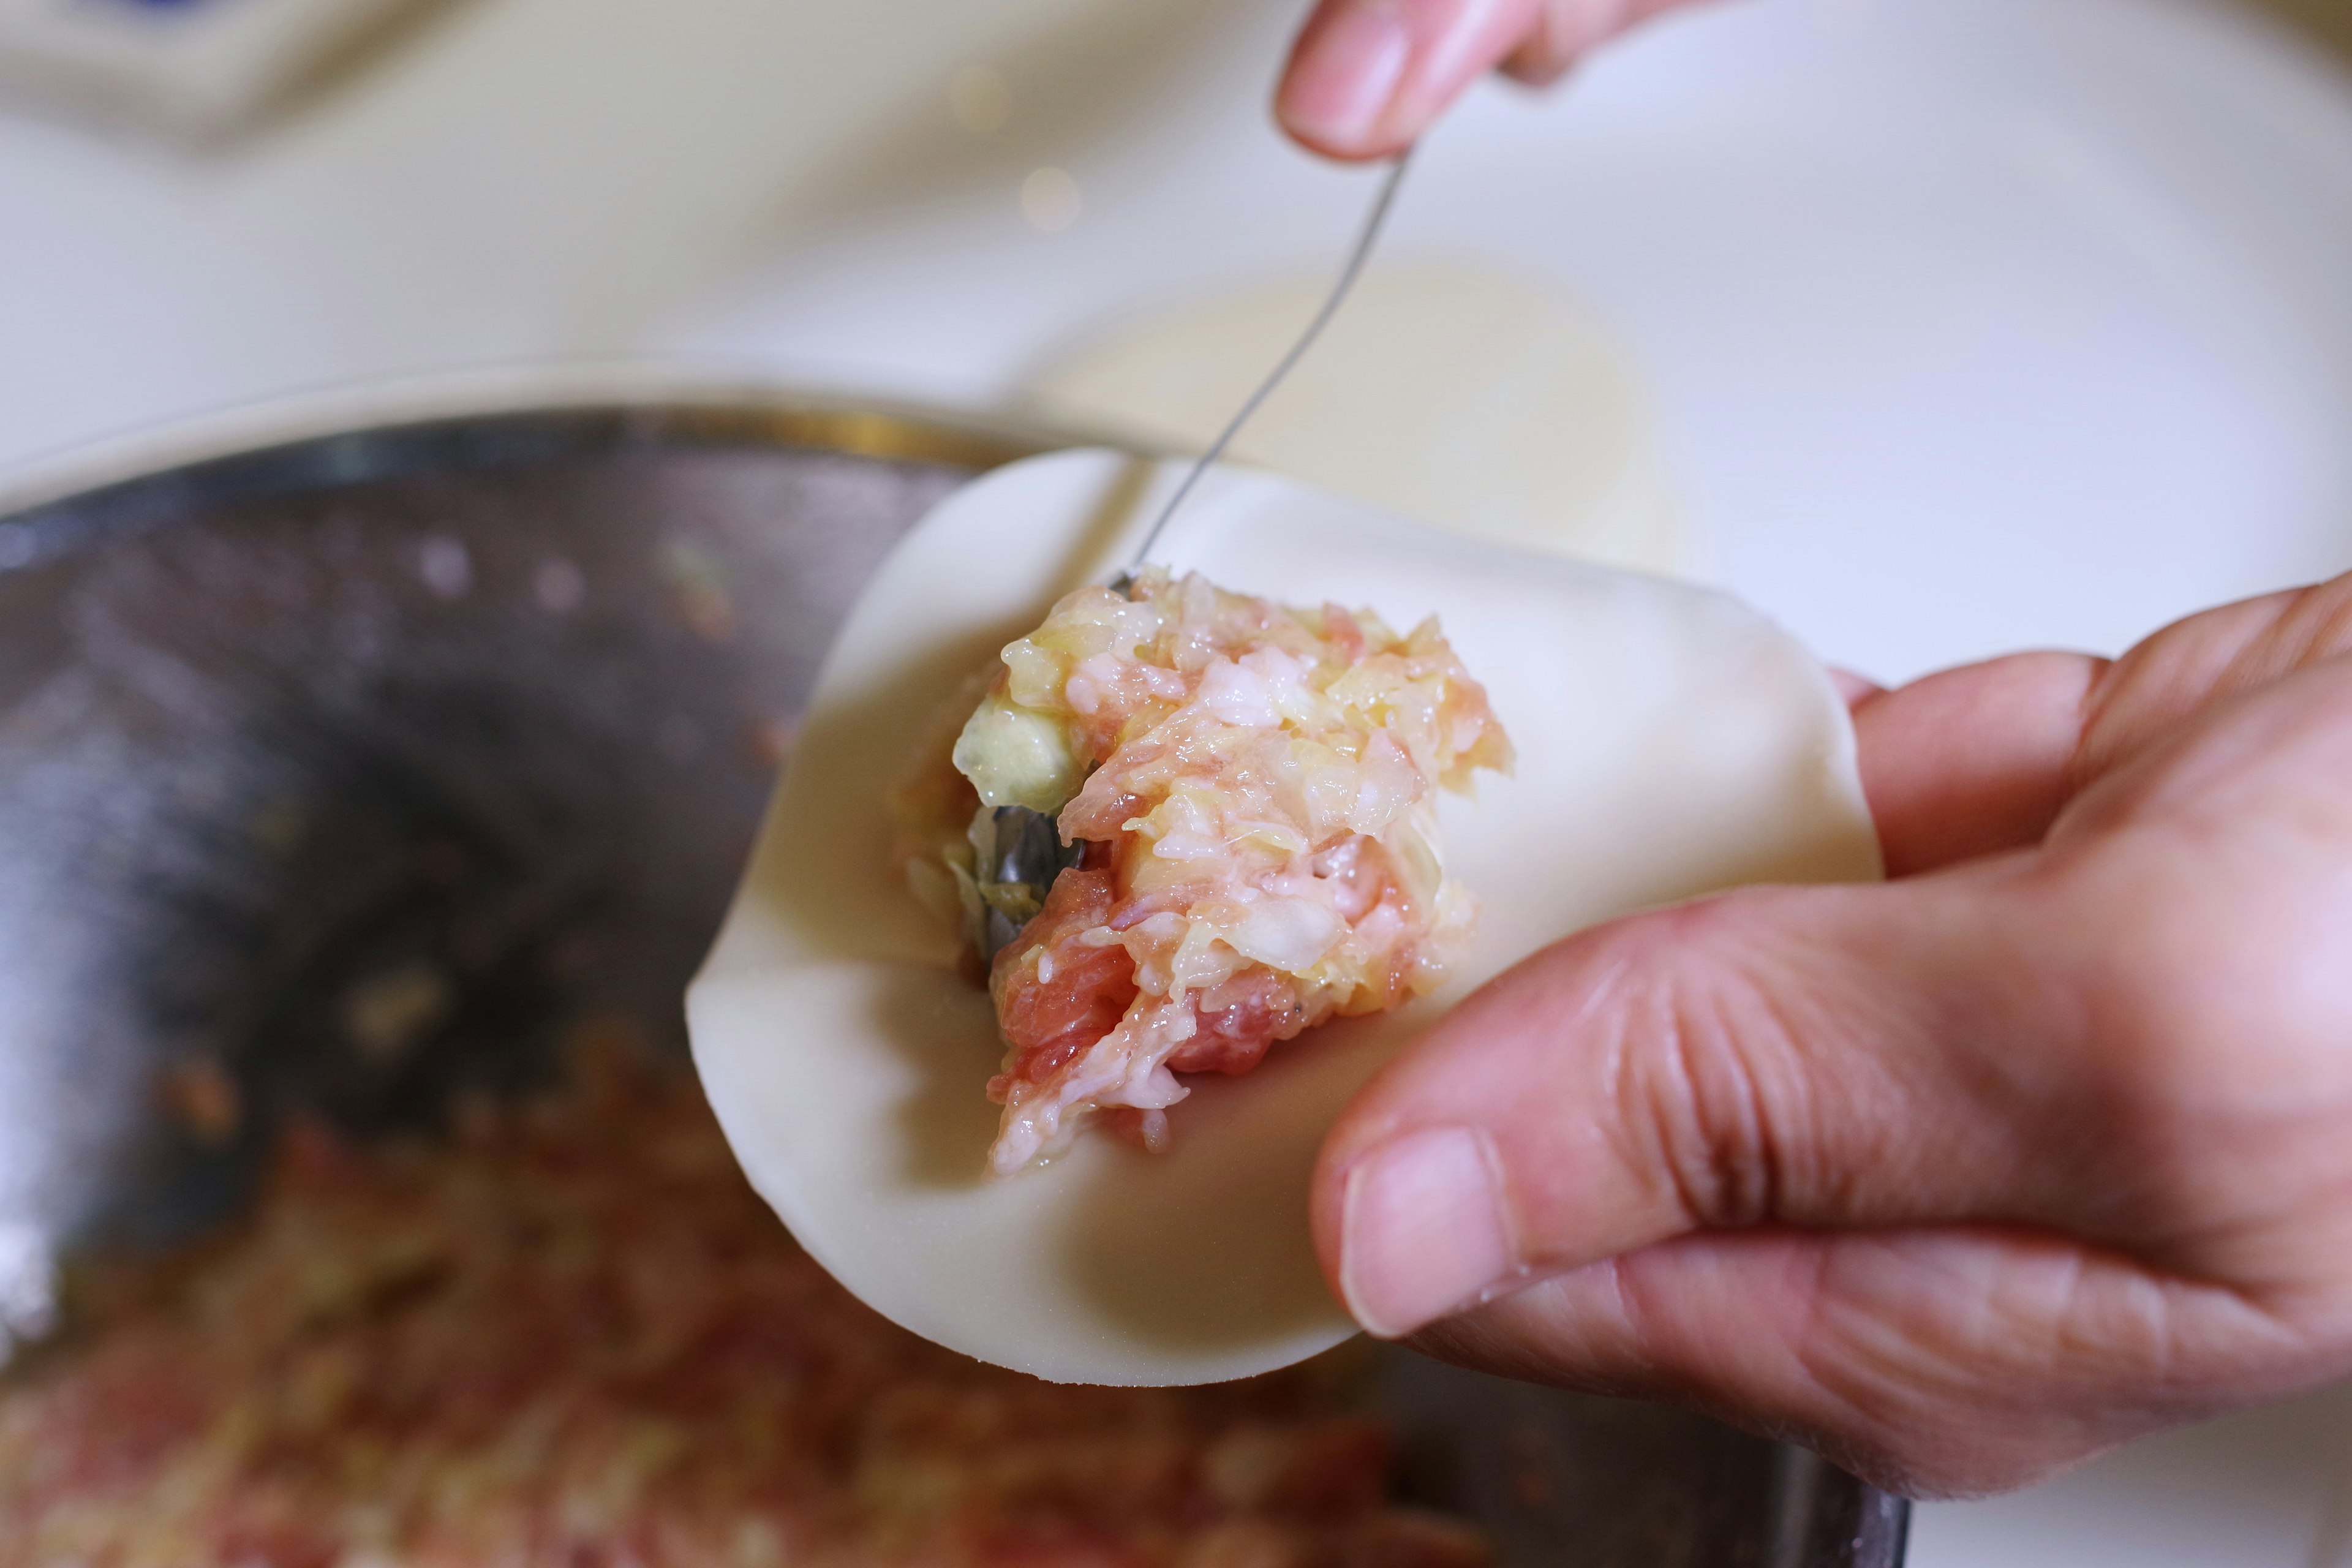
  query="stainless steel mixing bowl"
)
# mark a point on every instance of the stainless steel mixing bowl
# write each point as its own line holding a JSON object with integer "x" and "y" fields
{"x": 351, "y": 770}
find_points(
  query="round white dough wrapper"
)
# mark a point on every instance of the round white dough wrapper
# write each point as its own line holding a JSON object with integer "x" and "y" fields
{"x": 1461, "y": 395}
{"x": 1671, "y": 743}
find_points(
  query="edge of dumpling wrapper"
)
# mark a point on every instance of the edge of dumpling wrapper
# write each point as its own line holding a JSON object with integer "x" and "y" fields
{"x": 1672, "y": 743}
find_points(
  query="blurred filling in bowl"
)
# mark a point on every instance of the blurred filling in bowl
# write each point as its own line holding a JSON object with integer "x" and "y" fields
{"x": 573, "y": 1335}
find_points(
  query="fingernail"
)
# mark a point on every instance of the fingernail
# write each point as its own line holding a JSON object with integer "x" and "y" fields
{"x": 1344, "y": 78}
{"x": 1422, "y": 1231}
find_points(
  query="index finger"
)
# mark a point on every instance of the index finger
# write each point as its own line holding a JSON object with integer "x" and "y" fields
{"x": 1973, "y": 761}
{"x": 1366, "y": 77}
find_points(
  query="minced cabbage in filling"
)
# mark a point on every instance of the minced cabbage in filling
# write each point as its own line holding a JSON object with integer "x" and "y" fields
{"x": 1245, "y": 796}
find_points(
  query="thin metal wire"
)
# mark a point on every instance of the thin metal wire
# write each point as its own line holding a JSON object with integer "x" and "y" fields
{"x": 1365, "y": 241}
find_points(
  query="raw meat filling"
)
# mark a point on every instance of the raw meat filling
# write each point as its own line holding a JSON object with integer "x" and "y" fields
{"x": 1253, "y": 790}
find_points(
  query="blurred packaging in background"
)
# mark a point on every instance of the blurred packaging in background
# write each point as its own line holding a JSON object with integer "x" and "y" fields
{"x": 187, "y": 68}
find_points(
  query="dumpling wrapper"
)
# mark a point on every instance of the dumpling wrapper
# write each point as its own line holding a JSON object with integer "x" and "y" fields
{"x": 1458, "y": 392}
{"x": 1671, "y": 743}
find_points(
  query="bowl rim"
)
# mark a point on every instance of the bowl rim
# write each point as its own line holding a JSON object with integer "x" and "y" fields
{"x": 701, "y": 400}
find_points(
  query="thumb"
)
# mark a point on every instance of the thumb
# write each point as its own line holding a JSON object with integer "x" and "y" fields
{"x": 1830, "y": 1056}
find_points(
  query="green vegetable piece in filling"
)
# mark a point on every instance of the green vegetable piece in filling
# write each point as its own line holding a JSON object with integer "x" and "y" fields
{"x": 1016, "y": 756}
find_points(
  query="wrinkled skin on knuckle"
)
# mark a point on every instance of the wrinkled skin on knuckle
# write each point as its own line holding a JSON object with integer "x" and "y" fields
{"x": 1699, "y": 1067}
{"x": 1767, "y": 1065}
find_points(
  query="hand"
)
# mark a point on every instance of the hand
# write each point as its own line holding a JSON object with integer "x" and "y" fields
{"x": 1367, "y": 77}
{"x": 2045, "y": 1145}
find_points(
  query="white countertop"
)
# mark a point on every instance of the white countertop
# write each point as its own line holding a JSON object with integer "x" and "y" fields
{"x": 1974, "y": 324}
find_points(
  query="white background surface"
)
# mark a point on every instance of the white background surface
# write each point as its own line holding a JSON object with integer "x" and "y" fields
{"x": 1975, "y": 323}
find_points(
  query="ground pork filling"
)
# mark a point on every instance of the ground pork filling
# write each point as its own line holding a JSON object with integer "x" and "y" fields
{"x": 1249, "y": 792}
{"x": 573, "y": 1337}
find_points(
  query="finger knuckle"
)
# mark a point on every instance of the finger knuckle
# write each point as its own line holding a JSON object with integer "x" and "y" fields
{"x": 1696, "y": 1068}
